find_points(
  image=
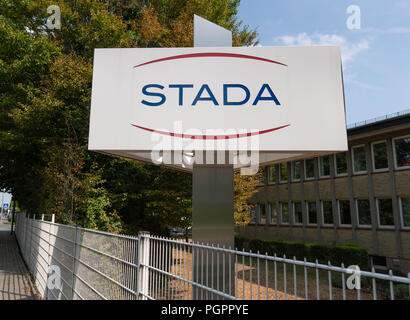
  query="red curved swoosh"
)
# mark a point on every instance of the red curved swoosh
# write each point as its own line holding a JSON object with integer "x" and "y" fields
{"x": 210, "y": 54}
{"x": 206, "y": 137}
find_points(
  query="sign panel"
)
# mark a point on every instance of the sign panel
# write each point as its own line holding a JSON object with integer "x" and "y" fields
{"x": 267, "y": 99}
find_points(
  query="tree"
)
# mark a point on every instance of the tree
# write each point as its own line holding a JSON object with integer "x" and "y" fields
{"x": 244, "y": 189}
{"x": 45, "y": 91}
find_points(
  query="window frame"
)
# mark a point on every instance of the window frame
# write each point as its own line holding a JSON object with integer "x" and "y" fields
{"x": 293, "y": 170}
{"x": 255, "y": 214}
{"x": 263, "y": 168}
{"x": 378, "y": 214}
{"x": 281, "y": 214}
{"x": 280, "y": 173}
{"x": 395, "y": 166}
{"x": 323, "y": 213}
{"x": 335, "y": 163}
{"x": 277, "y": 216}
{"x": 269, "y": 169}
{"x": 340, "y": 215}
{"x": 307, "y": 211}
{"x": 294, "y": 213}
{"x": 306, "y": 177}
{"x": 373, "y": 159}
{"x": 358, "y": 216}
{"x": 401, "y": 215}
{"x": 353, "y": 166}
{"x": 318, "y": 162}
{"x": 259, "y": 215}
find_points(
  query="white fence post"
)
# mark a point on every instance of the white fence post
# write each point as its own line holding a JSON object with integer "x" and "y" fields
{"x": 143, "y": 262}
{"x": 30, "y": 243}
{"x": 74, "y": 262}
{"x": 48, "y": 257}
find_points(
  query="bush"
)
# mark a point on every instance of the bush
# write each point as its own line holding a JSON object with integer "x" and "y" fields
{"x": 239, "y": 243}
{"x": 349, "y": 253}
{"x": 321, "y": 252}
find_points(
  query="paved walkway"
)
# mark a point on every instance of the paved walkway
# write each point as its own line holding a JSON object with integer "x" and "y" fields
{"x": 14, "y": 279}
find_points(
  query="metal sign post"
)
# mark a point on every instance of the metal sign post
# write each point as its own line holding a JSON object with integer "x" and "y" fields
{"x": 212, "y": 196}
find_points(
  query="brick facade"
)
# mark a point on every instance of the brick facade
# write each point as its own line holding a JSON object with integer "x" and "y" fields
{"x": 392, "y": 183}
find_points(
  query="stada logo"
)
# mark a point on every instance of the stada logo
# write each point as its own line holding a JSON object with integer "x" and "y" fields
{"x": 231, "y": 94}
{"x": 241, "y": 95}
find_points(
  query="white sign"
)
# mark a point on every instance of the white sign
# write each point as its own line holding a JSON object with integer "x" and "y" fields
{"x": 289, "y": 98}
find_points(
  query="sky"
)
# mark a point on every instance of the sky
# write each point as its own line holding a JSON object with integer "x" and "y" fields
{"x": 375, "y": 53}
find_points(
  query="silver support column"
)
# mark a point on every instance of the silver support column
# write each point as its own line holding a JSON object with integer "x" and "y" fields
{"x": 212, "y": 205}
{"x": 212, "y": 196}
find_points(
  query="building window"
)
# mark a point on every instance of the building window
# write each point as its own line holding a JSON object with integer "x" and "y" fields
{"x": 379, "y": 152}
{"x": 297, "y": 209}
{"x": 378, "y": 262}
{"x": 405, "y": 212}
{"x": 363, "y": 210}
{"x": 273, "y": 213}
{"x": 341, "y": 164}
{"x": 344, "y": 212}
{"x": 309, "y": 168}
{"x": 327, "y": 212}
{"x": 402, "y": 152}
{"x": 285, "y": 212}
{"x": 359, "y": 159}
{"x": 252, "y": 215}
{"x": 312, "y": 213}
{"x": 283, "y": 172}
{"x": 385, "y": 212}
{"x": 324, "y": 166}
{"x": 272, "y": 174}
{"x": 296, "y": 170}
{"x": 262, "y": 214}
{"x": 261, "y": 176}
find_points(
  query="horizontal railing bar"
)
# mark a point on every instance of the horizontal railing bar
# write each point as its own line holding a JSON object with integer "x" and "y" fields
{"x": 90, "y": 248}
{"x": 287, "y": 261}
{"x": 105, "y": 276}
{"x": 54, "y": 223}
{"x": 89, "y": 286}
{"x": 52, "y": 294}
{"x": 37, "y": 280}
{"x": 225, "y": 295}
{"x": 44, "y": 259}
{"x": 107, "y": 255}
{"x": 65, "y": 281}
{"x": 37, "y": 262}
{"x": 146, "y": 296}
{"x": 54, "y": 235}
{"x": 43, "y": 286}
{"x": 61, "y": 250}
{"x": 123, "y": 236}
{"x": 78, "y": 294}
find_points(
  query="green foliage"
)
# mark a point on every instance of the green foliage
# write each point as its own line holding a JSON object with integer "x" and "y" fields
{"x": 45, "y": 92}
{"x": 349, "y": 254}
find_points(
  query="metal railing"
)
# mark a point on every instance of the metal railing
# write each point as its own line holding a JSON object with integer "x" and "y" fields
{"x": 100, "y": 265}
{"x": 91, "y": 264}
{"x": 381, "y": 118}
{"x": 184, "y": 270}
